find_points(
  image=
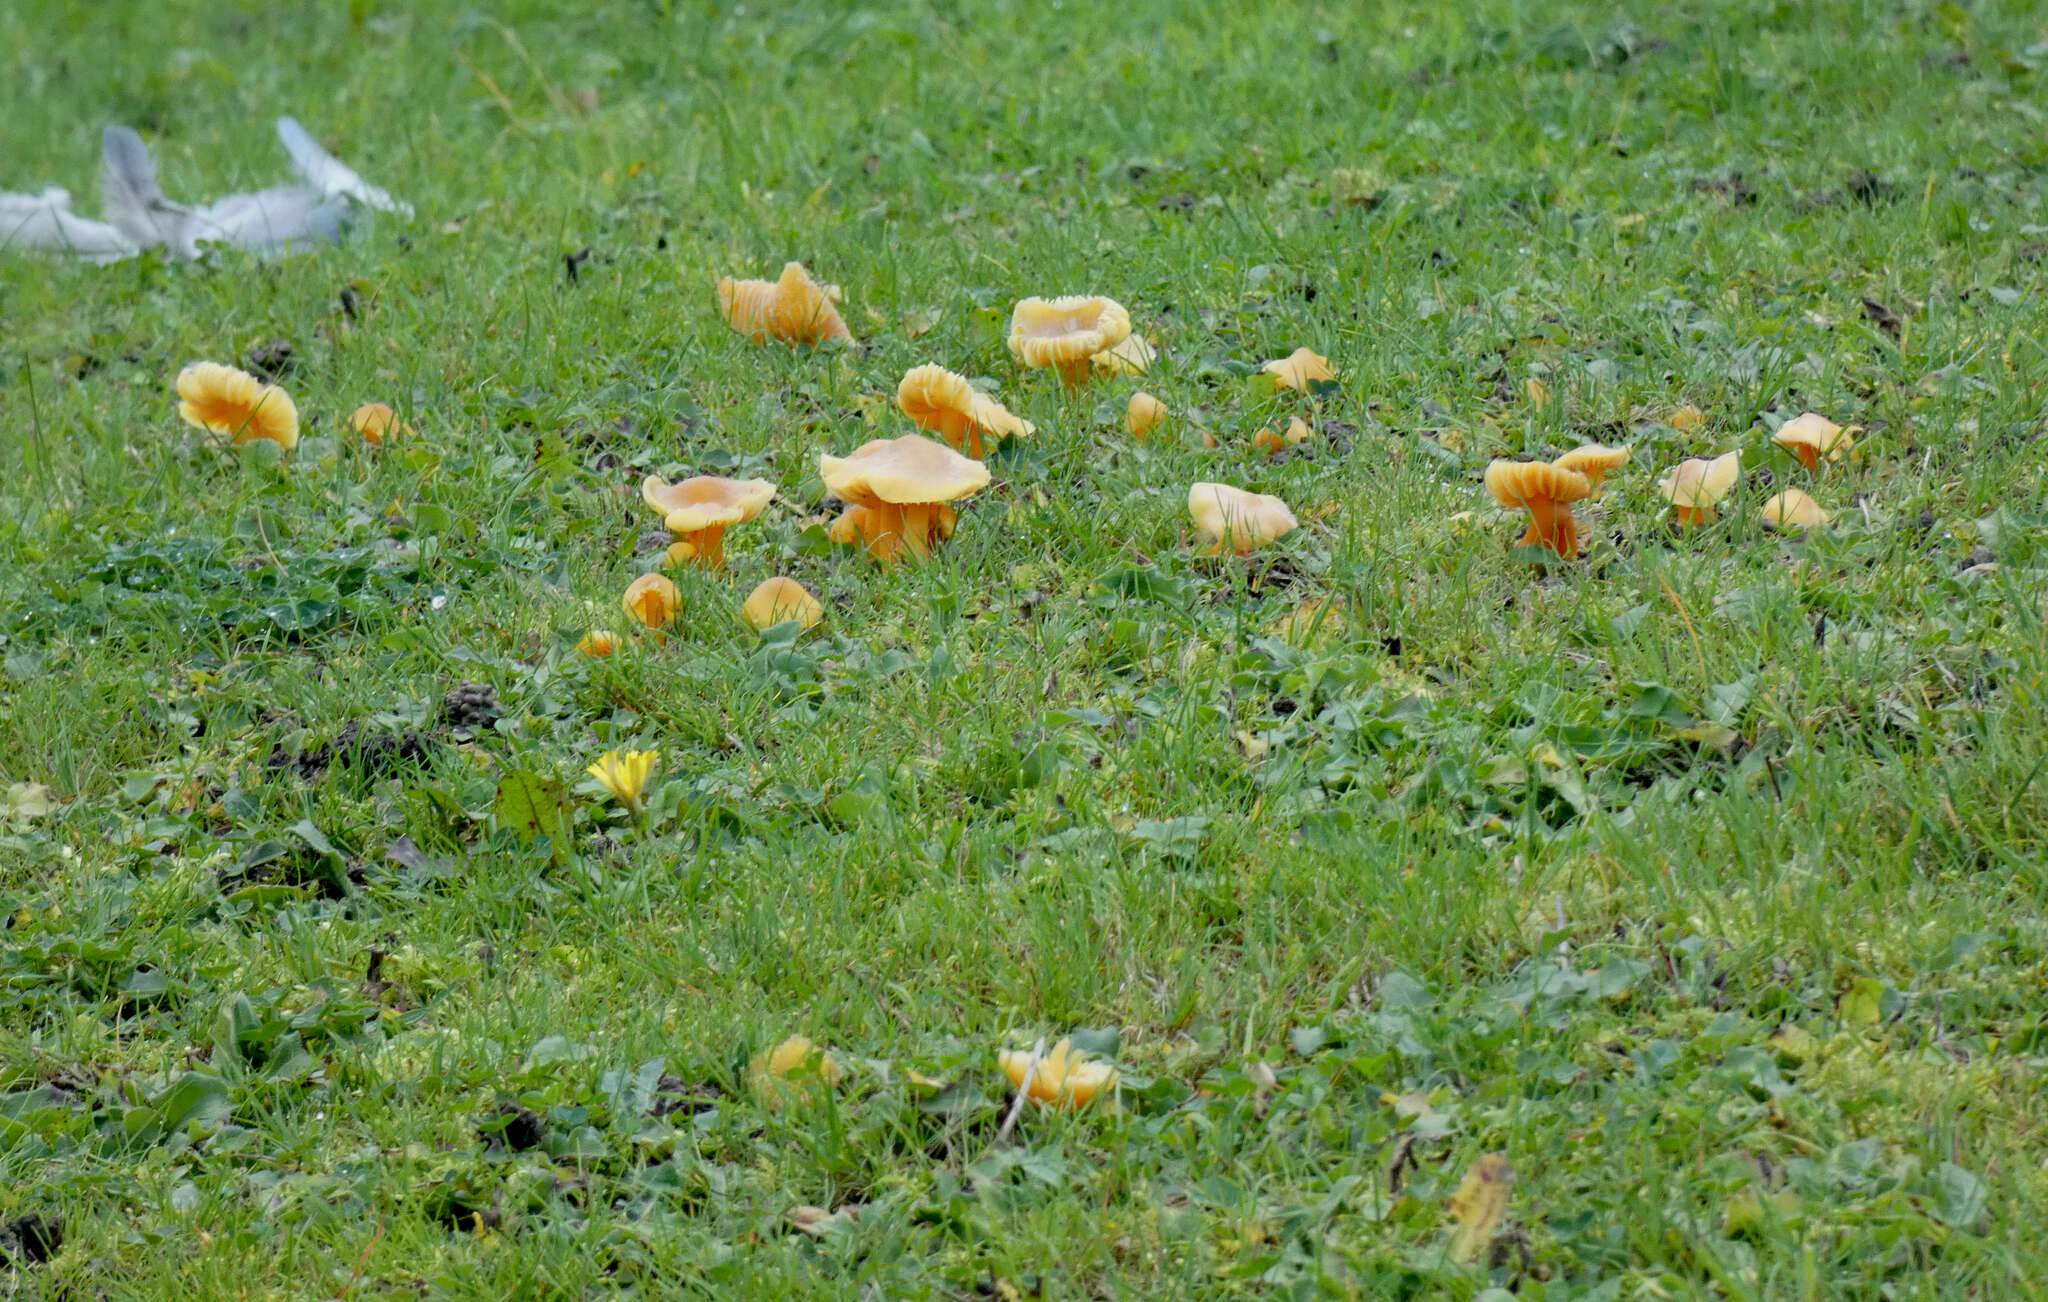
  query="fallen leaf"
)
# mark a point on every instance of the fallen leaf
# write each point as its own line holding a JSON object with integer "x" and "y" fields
{"x": 1480, "y": 1205}
{"x": 28, "y": 801}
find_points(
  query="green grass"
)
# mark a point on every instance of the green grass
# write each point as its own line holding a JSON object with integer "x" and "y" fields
{"x": 1702, "y": 878}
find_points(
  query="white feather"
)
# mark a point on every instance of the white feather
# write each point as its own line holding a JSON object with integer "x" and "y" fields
{"x": 328, "y": 174}
{"x": 130, "y": 197}
{"x": 285, "y": 219}
{"x": 45, "y": 221}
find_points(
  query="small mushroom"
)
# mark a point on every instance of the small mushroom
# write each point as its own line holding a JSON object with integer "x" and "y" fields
{"x": 652, "y": 600}
{"x": 375, "y": 422}
{"x": 1695, "y": 487}
{"x": 1063, "y": 334}
{"x": 598, "y": 644}
{"x": 946, "y": 404}
{"x": 898, "y": 493}
{"x": 1144, "y": 414}
{"x": 1794, "y": 509}
{"x": 700, "y": 509}
{"x": 1269, "y": 442}
{"x": 1593, "y": 460}
{"x": 235, "y": 403}
{"x": 1134, "y": 356}
{"x": 792, "y": 1069}
{"x": 779, "y": 600}
{"x": 1062, "y": 1075}
{"x": 1299, "y": 370}
{"x": 1546, "y": 492}
{"x": 1686, "y": 419}
{"x": 1813, "y": 438}
{"x": 795, "y": 308}
{"x": 1232, "y": 519}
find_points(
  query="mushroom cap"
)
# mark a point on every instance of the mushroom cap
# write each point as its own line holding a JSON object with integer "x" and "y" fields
{"x": 373, "y": 420}
{"x": 945, "y": 403}
{"x": 1144, "y": 414}
{"x": 706, "y": 501}
{"x": 1223, "y": 512}
{"x": 598, "y": 644}
{"x": 1134, "y": 356}
{"x": 229, "y": 401}
{"x": 779, "y": 599}
{"x": 803, "y": 310}
{"x": 1064, "y": 331}
{"x": 1299, "y": 369}
{"x": 1063, "y": 1075}
{"x": 1701, "y": 482}
{"x": 1518, "y": 483}
{"x": 903, "y": 471}
{"x": 1813, "y": 430}
{"x": 744, "y": 304}
{"x": 1596, "y": 457}
{"x": 1794, "y": 509}
{"x": 652, "y": 600}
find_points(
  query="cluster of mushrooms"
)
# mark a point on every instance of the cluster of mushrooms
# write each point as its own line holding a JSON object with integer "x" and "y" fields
{"x": 902, "y": 494}
{"x": 1695, "y": 488}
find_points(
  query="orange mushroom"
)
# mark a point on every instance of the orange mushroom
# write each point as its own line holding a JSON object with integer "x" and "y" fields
{"x": 700, "y": 509}
{"x": 1813, "y": 437}
{"x": 1546, "y": 493}
{"x": 1064, "y": 334}
{"x": 1593, "y": 461}
{"x": 795, "y": 308}
{"x": 1268, "y": 442}
{"x": 1794, "y": 509}
{"x": 1300, "y": 369}
{"x": 1237, "y": 520}
{"x": 1062, "y": 1076}
{"x": 778, "y": 600}
{"x": 946, "y": 404}
{"x": 898, "y": 493}
{"x": 652, "y": 600}
{"x": 1144, "y": 414}
{"x": 375, "y": 422}
{"x": 1696, "y": 486}
{"x": 1134, "y": 356}
{"x": 235, "y": 403}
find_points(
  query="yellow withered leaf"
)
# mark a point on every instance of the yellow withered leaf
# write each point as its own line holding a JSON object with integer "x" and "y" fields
{"x": 1480, "y": 1205}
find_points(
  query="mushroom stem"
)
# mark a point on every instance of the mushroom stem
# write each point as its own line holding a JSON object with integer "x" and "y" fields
{"x": 708, "y": 546}
{"x": 1692, "y": 515}
{"x": 919, "y": 526}
{"x": 1074, "y": 374}
{"x": 1552, "y": 525}
{"x": 1809, "y": 456}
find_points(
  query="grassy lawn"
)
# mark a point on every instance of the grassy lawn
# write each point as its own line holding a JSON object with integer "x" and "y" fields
{"x": 1697, "y": 881}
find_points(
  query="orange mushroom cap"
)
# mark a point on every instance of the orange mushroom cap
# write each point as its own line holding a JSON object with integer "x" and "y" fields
{"x": 1144, "y": 414}
{"x": 794, "y": 308}
{"x": 700, "y": 509}
{"x": 945, "y": 403}
{"x": 1242, "y": 521}
{"x": 778, "y": 600}
{"x": 1134, "y": 356}
{"x": 1813, "y": 438}
{"x": 235, "y": 403}
{"x": 1697, "y": 485}
{"x": 898, "y": 490}
{"x": 1794, "y": 509}
{"x": 652, "y": 600}
{"x": 1063, "y": 1075}
{"x": 375, "y": 422}
{"x": 1299, "y": 369}
{"x": 1063, "y": 334}
{"x": 1593, "y": 461}
{"x": 1546, "y": 492}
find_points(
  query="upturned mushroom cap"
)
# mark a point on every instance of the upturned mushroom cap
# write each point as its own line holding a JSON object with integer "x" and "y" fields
{"x": 946, "y": 404}
{"x": 1235, "y": 518}
{"x": 1522, "y": 483}
{"x": 1794, "y": 509}
{"x": 1299, "y": 369}
{"x": 901, "y": 471}
{"x": 1134, "y": 356}
{"x": 706, "y": 501}
{"x": 1064, "y": 333}
{"x": 1593, "y": 461}
{"x": 1698, "y": 484}
{"x": 1813, "y": 438}
{"x": 1144, "y": 414}
{"x": 1063, "y": 1075}
{"x": 235, "y": 403}
{"x": 794, "y": 308}
{"x": 779, "y": 600}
